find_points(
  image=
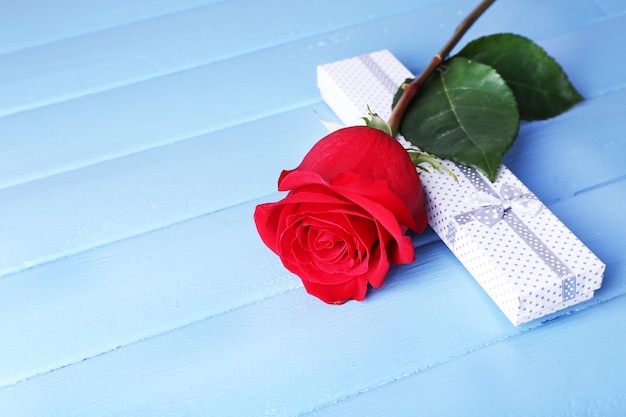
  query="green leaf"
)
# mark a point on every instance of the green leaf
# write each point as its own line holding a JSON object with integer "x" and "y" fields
{"x": 465, "y": 113}
{"x": 540, "y": 85}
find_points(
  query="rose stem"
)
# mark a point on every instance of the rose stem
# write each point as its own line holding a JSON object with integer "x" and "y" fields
{"x": 413, "y": 88}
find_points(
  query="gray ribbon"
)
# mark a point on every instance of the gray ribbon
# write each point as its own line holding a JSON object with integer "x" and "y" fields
{"x": 493, "y": 208}
{"x": 379, "y": 73}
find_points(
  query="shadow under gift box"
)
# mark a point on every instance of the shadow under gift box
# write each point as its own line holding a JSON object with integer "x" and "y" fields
{"x": 521, "y": 254}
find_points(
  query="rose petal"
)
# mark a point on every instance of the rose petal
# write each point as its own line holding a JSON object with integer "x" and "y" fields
{"x": 267, "y": 220}
{"x": 330, "y": 245}
{"x": 401, "y": 253}
{"x": 379, "y": 191}
{"x": 354, "y": 234}
{"x": 352, "y": 198}
{"x": 369, "y": 153}
{"x": 338, "y": 294}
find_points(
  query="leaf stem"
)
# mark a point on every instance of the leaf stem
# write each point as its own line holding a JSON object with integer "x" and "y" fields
{"x": 414, "y": 87}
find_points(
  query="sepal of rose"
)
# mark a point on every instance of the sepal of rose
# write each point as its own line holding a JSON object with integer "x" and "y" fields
{"x": 375, "y": 121}
{"x": 422, "y": 159}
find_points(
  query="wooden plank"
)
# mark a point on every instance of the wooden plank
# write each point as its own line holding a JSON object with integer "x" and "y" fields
{"x": 27, "y": 23}
{"x": 99, "y": 300}
{"x": 66, "y": 216}
{"x": 235, "y": 364}
{"x": 564, "y": 368}
{"x": 114, "y": 295}
{"x": 572, "y": 366}
{"x": 156, "y": 47}
{"x": 611, "y": 7}
{"x": 580, "y": 53}
{"x": 128, "y": 54}
{"x": 72, "y": 212}
{"x": 199, "y": 318}
{"x": 587, "y": 136}
{"x": 146, "y": 286}
{"x": 75, "y": 211}
{"x": 182, "y": 105}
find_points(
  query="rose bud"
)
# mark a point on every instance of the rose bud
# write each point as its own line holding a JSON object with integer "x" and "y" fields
{"x": 344, "y": 221}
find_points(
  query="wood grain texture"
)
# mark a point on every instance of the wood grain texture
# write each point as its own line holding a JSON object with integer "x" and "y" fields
{"x": 107, "y": 126}
{"x": 137, "y": 138}
{"x": 611, "y": 6}
{"x": 494, "y": 380}
{"x": 123, "y": 197}
{"x": 29, "y": 23}
{"x": 155, "y": 47}
{"x": 188, "y": 103}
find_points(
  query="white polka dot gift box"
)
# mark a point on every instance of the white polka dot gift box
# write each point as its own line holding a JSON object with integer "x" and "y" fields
{"x": 521, "y": 254}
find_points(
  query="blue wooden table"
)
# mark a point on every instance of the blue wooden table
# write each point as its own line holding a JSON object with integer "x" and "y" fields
{"x": 136, "y": 139}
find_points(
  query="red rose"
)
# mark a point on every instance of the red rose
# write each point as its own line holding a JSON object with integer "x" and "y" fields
{"x": 352, "y": 199}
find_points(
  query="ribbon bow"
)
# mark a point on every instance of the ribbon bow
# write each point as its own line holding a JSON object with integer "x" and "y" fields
{"x": 492, "y": 207}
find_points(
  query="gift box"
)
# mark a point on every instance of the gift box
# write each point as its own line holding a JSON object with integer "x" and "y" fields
{"x": 522, "y": 255}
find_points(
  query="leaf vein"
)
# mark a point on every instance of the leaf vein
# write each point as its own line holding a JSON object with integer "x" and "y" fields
{"x": 456, "y": 116}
